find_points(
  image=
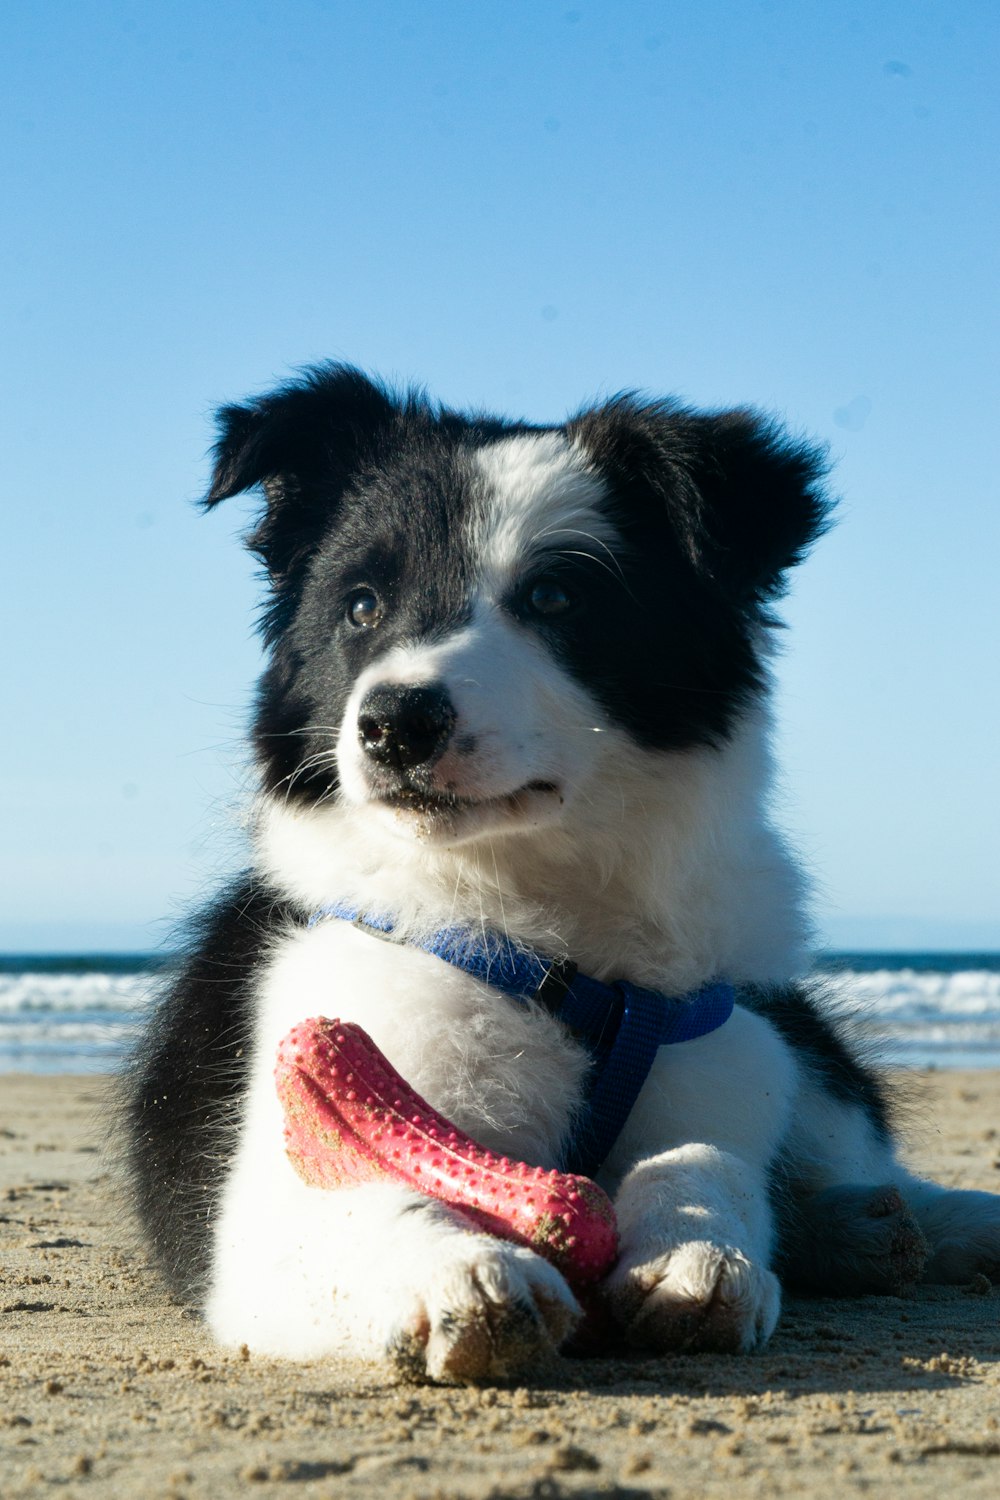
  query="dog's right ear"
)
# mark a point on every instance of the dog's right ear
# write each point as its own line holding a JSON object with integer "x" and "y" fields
{"x": 300, "y": 444}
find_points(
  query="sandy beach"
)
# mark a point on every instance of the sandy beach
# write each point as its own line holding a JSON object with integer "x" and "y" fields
{"x": 107, "y": 1388}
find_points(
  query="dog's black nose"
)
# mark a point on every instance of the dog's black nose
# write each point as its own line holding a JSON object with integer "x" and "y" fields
{"x": 405, "y": 726}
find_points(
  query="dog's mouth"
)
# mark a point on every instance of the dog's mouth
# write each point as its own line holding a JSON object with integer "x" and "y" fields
{"x": 431, "y": 803}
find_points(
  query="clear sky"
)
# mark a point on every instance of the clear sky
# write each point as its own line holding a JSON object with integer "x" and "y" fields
{"x": 521, "y": 205}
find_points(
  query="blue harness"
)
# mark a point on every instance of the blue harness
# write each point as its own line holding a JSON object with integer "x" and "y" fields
{"x": 621, "y": 1024}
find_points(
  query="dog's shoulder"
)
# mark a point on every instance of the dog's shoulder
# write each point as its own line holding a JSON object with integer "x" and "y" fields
{"x": 828, "y": 1042}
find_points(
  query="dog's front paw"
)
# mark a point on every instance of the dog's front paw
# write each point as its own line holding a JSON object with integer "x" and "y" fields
{"x": 699, "y": 1296}
{"x": 487, "y": 1309}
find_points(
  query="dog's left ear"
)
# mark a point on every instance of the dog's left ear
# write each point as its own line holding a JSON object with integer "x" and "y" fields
{"x": 300, "y": 444}
{"x": 745, "y": 501}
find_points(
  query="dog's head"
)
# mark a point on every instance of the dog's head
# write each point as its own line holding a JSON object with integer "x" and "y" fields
{"x": 467, "y": 616}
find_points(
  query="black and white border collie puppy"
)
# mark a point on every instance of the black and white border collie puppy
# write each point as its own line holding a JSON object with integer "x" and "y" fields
{"x": 517, "y": 683}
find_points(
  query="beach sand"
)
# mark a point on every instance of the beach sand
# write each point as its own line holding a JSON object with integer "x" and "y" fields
{"x": 109, "y": 1389}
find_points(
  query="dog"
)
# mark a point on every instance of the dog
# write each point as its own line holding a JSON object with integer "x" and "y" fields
{"x": 517, "y": 688}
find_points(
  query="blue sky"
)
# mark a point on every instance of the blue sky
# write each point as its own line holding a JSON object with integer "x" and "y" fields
{"x": 522, "y": 206}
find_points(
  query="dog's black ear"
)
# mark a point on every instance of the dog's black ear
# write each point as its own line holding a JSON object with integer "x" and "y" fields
{"x": 745, "y": 500}
{"x": 300, "y": 444}
{"x": 761, "y": 499}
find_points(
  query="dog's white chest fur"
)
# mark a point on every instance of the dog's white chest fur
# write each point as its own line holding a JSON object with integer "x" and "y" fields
{"x": 507, "y": 1074}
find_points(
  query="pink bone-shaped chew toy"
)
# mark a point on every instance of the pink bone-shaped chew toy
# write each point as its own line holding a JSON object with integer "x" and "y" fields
{"x": 350, "y": 1118}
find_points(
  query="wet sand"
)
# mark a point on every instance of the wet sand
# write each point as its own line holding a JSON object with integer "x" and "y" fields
{"x": 107, "y": 1388}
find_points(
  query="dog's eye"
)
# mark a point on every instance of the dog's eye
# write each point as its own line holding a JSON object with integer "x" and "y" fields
{"x": 364, "y": 609}
{"x": 549, "y": 598}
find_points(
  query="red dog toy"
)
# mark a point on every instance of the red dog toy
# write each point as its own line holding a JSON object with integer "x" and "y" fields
{"x": 350, "y": 1118}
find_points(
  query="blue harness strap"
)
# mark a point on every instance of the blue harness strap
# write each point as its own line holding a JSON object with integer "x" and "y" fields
{"x": 621, "y": 1024}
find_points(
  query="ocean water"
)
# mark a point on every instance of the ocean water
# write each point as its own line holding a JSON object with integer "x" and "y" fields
{"x": 928, "y": 1010}
{"x": 77, "y": 1014}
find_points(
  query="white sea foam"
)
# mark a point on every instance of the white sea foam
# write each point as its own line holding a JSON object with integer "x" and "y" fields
{"x": 909, "y": 994}
{"x": 42, "y": 993}
{"x": 69, "y": 1022}
{"x": 83, "y": 1021}
{"x": 926, "y": 1018}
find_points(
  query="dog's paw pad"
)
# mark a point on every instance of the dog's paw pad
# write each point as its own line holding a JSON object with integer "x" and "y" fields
{"x": 698, "y": 1297}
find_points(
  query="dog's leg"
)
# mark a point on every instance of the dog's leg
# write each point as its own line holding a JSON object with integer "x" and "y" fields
{"x": 849, "y": 1223}
{"x": 847, "y": 1226}
{"x": 859, "y": 1222}
{"x": 695, "y": 1211}
{"x": 696, "y": 1235}
{"x": 376, "y": 1272}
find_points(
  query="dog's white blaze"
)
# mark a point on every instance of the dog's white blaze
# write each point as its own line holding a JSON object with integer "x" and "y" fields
{"x": 539, "y": 498}
{"x": 527, "y": 721}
